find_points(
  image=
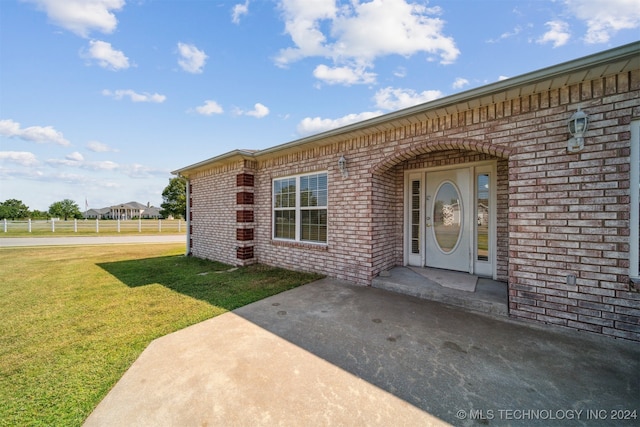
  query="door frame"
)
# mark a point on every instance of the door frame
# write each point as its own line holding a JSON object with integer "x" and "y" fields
{"x": 478, "y": 267}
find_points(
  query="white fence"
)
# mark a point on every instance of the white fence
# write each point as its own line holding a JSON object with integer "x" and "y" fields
{"x": 94, "y": 226}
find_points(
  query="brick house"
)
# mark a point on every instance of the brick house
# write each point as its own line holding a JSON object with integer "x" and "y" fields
{"x": 484, "y": 182}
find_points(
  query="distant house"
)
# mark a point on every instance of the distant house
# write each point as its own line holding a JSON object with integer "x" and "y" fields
{"x": 540, "y": 204}
{"x": 124, "y": 211}
{"x": 102, "y": 213}
{"x": 151, "y": 212}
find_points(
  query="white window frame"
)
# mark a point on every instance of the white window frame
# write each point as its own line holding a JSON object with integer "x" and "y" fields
{"x": 298, "y": 208}
{"x": 634, "y": 214}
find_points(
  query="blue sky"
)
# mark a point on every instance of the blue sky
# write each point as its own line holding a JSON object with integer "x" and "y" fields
{"x": 101, "y": 99}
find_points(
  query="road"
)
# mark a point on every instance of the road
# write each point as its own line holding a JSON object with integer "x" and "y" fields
{"x": 90, "y": 240}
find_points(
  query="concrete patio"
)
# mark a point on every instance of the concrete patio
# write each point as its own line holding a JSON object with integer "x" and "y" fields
{"x": 329, "y": 353}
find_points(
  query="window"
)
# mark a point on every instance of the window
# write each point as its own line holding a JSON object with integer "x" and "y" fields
{"x": 300, "y": 208}
{"x": 482, "y": 216}
{"x": 634, "y": 228}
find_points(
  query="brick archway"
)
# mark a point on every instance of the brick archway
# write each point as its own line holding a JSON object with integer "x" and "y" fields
{"x": 418, "y": 149}
{"x": 388, "y": 197}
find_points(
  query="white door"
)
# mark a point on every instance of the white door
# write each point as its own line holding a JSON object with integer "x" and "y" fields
{"x": 448, "y": 227}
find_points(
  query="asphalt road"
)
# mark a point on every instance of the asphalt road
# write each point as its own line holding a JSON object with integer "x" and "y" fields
{"x": 90, "y": 240}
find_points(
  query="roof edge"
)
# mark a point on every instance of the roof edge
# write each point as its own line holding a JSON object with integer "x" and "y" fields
{"x": 240, "y": 154}
{"x": 575, "y": 65}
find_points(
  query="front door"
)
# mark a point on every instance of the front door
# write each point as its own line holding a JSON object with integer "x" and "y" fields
{"x": 449, "y": 219}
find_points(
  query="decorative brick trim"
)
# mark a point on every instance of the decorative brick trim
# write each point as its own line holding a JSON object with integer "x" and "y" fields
{"x": 244, "y": 253}
{"x": 412, "y": 152}
{"x": 244, "y": 180}
{"x": 244, "y": 234}
{"x": 244, "y": 216}
{"x": 244, "y": 198}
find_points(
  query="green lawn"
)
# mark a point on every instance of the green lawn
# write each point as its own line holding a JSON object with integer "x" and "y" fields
{"x": 75, "y": 318}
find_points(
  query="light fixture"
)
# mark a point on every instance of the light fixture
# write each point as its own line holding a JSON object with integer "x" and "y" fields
{"x": 342, "y": 165}
{"x": 578, "y": 124}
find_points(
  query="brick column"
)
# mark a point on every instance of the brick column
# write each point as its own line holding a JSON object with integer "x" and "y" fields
{"x": 244, "y": 218}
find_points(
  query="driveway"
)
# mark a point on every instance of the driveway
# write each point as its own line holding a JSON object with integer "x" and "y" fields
{"x": 330, "y": 353}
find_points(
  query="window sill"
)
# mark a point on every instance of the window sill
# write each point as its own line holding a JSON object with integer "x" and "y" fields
{"x": 300, "y": 245}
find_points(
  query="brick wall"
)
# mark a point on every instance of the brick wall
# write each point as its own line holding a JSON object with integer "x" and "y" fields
{"x": 559, "y": 214}
{"x": 213, "y": 214}
{"x": 569, "y": 213}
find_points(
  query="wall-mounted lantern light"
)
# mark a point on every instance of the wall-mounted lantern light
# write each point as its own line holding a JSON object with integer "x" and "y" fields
{"x": 342, "y": 166}
{"x": 578, "y": 124}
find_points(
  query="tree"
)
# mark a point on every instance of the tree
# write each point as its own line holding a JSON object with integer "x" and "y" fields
{"x": 36, "y": 214}
{"x": 65, "y": 209}
{"x": 13, "y": 209}
{"x": 174, "y": 198}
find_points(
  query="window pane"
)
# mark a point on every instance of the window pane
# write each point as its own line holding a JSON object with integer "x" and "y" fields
{"x": 314, "y": 225}
{"x": 313, "y": 190}
{"x": 306, "y": 199}
{"x": 482, "y": 213}
{"x": 447, "y": 217}
{"x": 285, "y": 224}
{"x": 322, "y": 181}
{"x": 415, "y": 217}
{"x": 284, "y": 191}
{"x": 322, "y": 197}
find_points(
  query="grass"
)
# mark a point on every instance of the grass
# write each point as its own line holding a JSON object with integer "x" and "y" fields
{"x": 75, "y": 318}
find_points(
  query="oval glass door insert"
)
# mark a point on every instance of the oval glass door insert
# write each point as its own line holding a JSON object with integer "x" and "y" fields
{"x": 447, "y": 217}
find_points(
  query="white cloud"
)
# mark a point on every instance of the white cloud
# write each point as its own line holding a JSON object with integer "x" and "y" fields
{"x": 604, "y": 18}
{"x": 105, "y": 165}
{"x": 76, "y": 160}
{"x": 258, "y": 111}
{"x": 239, "y": 10}
{"x": 209, "y": 108}
{"x": 137, "y": 170}
{"x": 99, "y": 147}
{"x": 506, "y": 35}
{"x": 460, "y": 82}
{"x": 23, "y": 158}
{"x": 39, "y": 134}
{"x": 558, "y": 33}
{"x": 81, "y": 16}
{"x": 75, "y": 157}
{"x": 313, "y": 125}
{"x": 134, "y": 96}
{"x": 192, "y": 59}
{"x": 30, "y": 173}
{"x": 400, "y": 72}
{"x": 343, "y": 75}
{"x": 357, "y": 33}
{"x": 397, "y": 99}
{"x": 106, "y": 56}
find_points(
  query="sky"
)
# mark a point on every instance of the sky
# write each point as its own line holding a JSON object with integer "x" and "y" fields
{"x": 101, "y": 99}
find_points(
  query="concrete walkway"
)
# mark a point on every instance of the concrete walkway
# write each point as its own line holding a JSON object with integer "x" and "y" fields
{"x": 90, "y": 240}
{"x": 330, "y": 353}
